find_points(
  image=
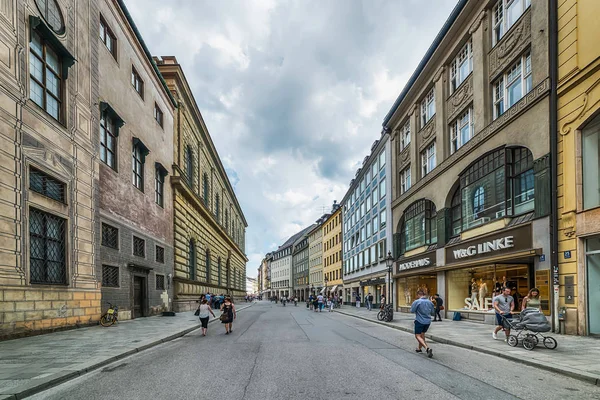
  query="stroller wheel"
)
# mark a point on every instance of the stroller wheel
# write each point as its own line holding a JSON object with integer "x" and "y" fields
{"x": 528, "y": 343}
{"x": 512, "y": 341}
{"x": 534, "y": 338}
{"x": 550, "y": 343}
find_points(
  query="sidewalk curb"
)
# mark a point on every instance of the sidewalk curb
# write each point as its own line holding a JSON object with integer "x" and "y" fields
{"x": 40, "y": 385}
{"x": 590, "y": 378}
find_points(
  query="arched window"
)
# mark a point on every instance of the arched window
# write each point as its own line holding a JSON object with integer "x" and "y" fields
{"x": 192, "y": 260}
{"x": 50, "y": 11}
{"x": 418, "y": 225}
{"x": 455, "y": 210}
{"x": 219, "y": 271}
{"x": 189, "y": 164}
{"x": 499, "y": 184}
{"x": 217, "y": 209}
{"x": 207, "y": 263}
{"x": 205, "y": 189}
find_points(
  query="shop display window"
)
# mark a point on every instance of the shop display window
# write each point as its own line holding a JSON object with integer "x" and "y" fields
{"x": 473, "y": 289}
{"x": 407, "y": 288}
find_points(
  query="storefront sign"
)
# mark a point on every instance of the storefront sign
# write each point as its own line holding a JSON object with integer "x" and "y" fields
{"x": 485, "y": 247}
{"x": 373, "y": 282}
{"x": 421, "y": 260}
{"x": 473, "y": 304}
{"x": 507, "y": 241}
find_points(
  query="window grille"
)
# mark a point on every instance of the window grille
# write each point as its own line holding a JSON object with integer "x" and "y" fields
{"x": 110, "y": 236}
{"x": 46, "y": 185}
{"x": 160, "y": 254}
{"x": 160, "y": 282}
{"x": 47, "y": 241}
{"x": 139, "y": 247}
{"x": 110, "y": 276}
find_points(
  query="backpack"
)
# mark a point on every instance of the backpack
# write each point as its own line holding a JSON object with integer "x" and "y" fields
{"x": 456, "y": 316}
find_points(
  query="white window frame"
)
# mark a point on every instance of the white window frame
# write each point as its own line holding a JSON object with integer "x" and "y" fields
{"x": 382, "y": 160}
{"x": 500, "y": 20}
{"x": 405, "y": 180}
{"x": 405, "y": 135}
{"x": 368, "y": 203}
{"x": 382, "y": 219}
{"x": 519, "y": 72}
{"x": 428, "y": 107}
{"x": 465, "y": 55}
{"x": 382, "y": 189}
{"x": 428, "y": 162}
{"x": 465, "y": 120}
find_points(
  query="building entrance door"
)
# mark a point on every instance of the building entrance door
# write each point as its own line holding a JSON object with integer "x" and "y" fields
{"x": 593, "y": 280}
{"x": 138, "y": 296}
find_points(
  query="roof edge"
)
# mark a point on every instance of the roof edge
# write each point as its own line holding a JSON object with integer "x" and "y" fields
{"x": 432, "y": 48}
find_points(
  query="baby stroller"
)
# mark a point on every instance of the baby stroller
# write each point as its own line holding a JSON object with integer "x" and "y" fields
{"x": 530, "y": 327}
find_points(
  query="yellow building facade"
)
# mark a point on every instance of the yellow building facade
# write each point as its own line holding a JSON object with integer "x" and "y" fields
{"x": 578, "y": 165}
{"x": 209, "y": 226}
{"x": 332, "y": 251}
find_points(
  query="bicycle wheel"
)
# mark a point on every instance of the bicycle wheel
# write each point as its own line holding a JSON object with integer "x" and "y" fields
{"x": 528, "y": 343}
{"x": 512, "y": 341}
{"x": 381, "y": 315}
{"x": 550, "y": 343}
{"x": 106, "y": 320}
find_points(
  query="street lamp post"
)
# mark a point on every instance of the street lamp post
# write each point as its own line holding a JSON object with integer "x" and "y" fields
{"x": 390, "y": 263}
{"x": 326, "y": 282}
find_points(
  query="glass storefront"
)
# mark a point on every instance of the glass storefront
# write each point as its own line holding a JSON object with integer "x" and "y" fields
{"x": 472, "y": 289}
{"x": 406, "y": 288}
{"x": 592, "y": 258}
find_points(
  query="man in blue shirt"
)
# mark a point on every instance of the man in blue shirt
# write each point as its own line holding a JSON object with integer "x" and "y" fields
{"x": 422, "y": 308}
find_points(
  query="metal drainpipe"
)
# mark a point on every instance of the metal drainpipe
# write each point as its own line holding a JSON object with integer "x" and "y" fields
{"x": 553, "y": 70}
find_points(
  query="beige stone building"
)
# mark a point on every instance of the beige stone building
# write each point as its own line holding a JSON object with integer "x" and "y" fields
{"x": 315, "y": 256}
{"x": 332, "y": 251}
{"x": 209, "y": 225}
{"x": 471, "y": 157}
{"x": 49, "y": 169}
{"x": 135, "y": 150}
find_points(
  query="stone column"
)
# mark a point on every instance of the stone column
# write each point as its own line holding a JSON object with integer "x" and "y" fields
{"x": 442, "y": 147}
{"x": 481, "y": 91}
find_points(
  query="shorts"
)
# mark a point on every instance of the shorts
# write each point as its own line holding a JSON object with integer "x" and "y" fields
{"x": 421, "y": 328}
{"x": 204, "y": 322}
{"x": 499, "y": 320}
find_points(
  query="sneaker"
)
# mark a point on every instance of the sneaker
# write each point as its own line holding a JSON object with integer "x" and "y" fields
{"x": 429, "y": 353}
{"x": 494, "y": 335}
{"x": 418, "y": 351}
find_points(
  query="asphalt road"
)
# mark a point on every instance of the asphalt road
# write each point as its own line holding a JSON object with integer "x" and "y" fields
{"x": 278, "y": 352}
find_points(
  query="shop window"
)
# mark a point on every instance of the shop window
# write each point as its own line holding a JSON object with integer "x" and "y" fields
{"x": 407, "y": 288}
{"x": 590, "y": 136}
{"x": 418, "y": 225}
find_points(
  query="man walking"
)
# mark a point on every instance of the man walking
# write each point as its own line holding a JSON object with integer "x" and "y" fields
{"x": 504, "y": 306}
{"x": 320, "y": 302}
{"x": 357, "y": 300}
{"x": 439, "y": 306}
{"x": 422, "y": 308}
{"x": 370, "y": 297}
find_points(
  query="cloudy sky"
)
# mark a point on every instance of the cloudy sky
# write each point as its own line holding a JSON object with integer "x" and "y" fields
{"x": 293, "y": 91}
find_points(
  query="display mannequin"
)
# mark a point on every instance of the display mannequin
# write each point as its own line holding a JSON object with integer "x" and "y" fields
{"x": 407, "y": 296}
{"x": 483, "y": 291}
{"x": 474, "y": 290}
{"x": 425, "y": 290}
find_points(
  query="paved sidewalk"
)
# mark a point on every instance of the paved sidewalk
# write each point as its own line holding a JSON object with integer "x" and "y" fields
{"x": 575, "y": 356}
{"x": 32, "y": 364}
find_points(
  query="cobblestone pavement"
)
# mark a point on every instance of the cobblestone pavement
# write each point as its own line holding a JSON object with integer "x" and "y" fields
{"x": 34, "y": 363}
{"x": 576, "y": 356}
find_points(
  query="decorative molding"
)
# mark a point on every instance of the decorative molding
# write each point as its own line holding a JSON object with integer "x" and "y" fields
{"x": 513, "y": 43}
{"x": 405, "y": 155}
{"x": 475, "y": 25}
{"x": 568, "y": 221}
{"x": 585, "y": 107}
{"x": 537, "y": 94}
{"x": 460, "y": 97}
{"x": 428, "y": 129}
{"x": 438, "y": 74}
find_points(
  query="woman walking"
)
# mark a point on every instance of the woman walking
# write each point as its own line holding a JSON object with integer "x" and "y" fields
{"x": 205, "y": 311}
{"x": 228, "y": 314}
{"x": 532, "y": 300}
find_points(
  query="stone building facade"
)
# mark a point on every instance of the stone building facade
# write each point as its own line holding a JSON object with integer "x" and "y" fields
{"x": 578, "y": 165}
{"x": 315, "y": 256}
{"x": 135, "y": 146}
{"x": 209, "y": 225}
{"x": 332, "y": 251}
{"x": 300, "y": 265}
{"x": 472, "y": 130}
{"x": 49, "y": 169}
{"x": 366, "y": 231}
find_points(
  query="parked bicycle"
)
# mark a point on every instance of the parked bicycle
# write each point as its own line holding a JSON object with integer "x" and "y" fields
{"x": 111, "y": 316}
{"x": 386, "y": 313}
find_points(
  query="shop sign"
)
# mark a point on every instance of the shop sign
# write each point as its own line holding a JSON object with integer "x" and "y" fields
{"x": 502, "y": 242}
{"x": 422, "y": 260}
{"x": 474, "y": 304}
{"x": 373, "y": 282}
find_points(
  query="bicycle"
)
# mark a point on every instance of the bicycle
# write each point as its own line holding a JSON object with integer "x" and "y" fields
{"x": 386, "y": 313}
{"x": 111, "y": 316}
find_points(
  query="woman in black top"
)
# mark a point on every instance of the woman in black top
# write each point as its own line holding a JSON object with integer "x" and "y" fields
{"x": 228, "y": 314}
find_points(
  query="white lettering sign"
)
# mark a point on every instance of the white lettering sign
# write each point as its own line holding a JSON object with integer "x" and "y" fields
{"x": 485, "y": 247}
{"x": 414, "y": 264}
{"x": 473, "y": 304}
